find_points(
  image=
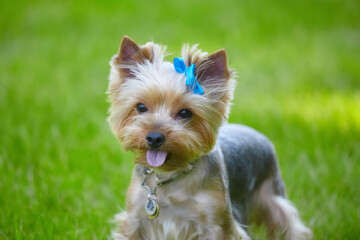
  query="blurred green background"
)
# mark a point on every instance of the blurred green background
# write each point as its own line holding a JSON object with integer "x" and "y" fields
{"x": 63, "y": 174}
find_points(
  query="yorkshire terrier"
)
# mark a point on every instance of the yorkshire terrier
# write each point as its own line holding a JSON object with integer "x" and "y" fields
{"x": 195, "y": 177}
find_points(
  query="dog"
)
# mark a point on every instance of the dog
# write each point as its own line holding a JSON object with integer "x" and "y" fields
{"x": 195, "y": 176}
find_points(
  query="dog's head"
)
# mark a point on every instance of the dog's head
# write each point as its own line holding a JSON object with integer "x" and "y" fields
{"x": 156, "y": 115}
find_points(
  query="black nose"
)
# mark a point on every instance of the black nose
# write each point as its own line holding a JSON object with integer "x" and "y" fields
{"x": 155, "y": 139}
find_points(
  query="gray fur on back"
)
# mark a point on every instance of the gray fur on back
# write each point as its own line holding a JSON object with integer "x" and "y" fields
{"x": 250, "y": 159}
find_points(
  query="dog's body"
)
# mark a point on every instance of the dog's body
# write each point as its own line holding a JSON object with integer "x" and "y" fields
{"x": 218, "y": 178}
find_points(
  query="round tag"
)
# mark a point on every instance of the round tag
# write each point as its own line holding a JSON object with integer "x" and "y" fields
{"x": 152, "y": 208}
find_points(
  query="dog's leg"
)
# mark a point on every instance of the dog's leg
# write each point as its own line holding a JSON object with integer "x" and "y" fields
{"x": 125, "y": 230}
{"x": 269, "y": 207}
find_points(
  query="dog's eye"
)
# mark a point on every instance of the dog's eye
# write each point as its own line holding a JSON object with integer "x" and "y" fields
{"x": 185, "y": 113}
{"x": 141, "y": 108}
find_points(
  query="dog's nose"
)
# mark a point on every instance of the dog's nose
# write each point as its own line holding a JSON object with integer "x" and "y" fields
{"x": 155, "y": 139}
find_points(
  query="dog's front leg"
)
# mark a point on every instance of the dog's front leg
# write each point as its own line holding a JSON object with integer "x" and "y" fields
{"x": 128, "y": 222}
{"x": 125, "y": 229}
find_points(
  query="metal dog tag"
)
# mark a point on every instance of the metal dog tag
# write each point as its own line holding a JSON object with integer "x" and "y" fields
{"x": 152, "y": 208}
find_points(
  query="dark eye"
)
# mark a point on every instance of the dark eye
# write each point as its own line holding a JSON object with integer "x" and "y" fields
{"x": 141, "y": 108}
{"x": 185, "y": 113}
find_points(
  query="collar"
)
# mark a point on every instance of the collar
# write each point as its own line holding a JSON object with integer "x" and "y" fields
{"x": 161, "y": 179}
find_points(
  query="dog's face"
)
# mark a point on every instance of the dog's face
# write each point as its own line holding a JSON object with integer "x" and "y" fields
{"x": 155, "y": 115}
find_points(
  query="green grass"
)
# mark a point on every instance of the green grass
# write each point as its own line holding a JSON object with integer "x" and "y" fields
{"x": 63, "y": 174}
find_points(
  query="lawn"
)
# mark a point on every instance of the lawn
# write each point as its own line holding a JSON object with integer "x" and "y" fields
{"x": 63, "y": 175}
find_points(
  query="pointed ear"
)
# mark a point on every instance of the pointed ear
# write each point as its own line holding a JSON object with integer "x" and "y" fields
{"x": 216, "y": 79}
{"x": 129, "y": 55}
{"x": 215, "y": 68}
{"x": 129, "y": 52}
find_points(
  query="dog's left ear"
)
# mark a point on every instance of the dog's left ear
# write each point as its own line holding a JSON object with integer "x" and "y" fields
{"x": 214, "y": 70}
{"x": 214, "y": 76}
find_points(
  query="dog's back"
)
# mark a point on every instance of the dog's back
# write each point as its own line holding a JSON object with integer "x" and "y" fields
{"x": 250, "y": 158}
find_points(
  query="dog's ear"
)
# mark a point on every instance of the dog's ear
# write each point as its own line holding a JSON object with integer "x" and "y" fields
{"x": 215, "y": 77}
{"x": 130, "y": 54}
{"x": 214, "y": 69}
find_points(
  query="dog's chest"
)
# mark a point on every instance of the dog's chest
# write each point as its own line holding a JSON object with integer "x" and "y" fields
{"x": 182, "y": 215}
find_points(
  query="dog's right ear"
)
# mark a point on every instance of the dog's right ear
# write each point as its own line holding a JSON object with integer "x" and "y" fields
{"x": 130, "y": 54}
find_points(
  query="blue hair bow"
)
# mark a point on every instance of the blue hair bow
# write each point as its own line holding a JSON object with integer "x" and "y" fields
{"x": 191, "y": 80}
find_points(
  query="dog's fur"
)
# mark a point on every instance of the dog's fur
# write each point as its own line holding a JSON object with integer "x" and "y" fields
{"x": 234, "y": 179}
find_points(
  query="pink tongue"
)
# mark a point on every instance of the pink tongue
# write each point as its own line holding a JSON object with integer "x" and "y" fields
{"x": 155, "y": 158}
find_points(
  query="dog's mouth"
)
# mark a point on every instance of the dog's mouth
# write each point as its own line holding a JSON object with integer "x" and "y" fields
{"x": 156, "y": 158}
